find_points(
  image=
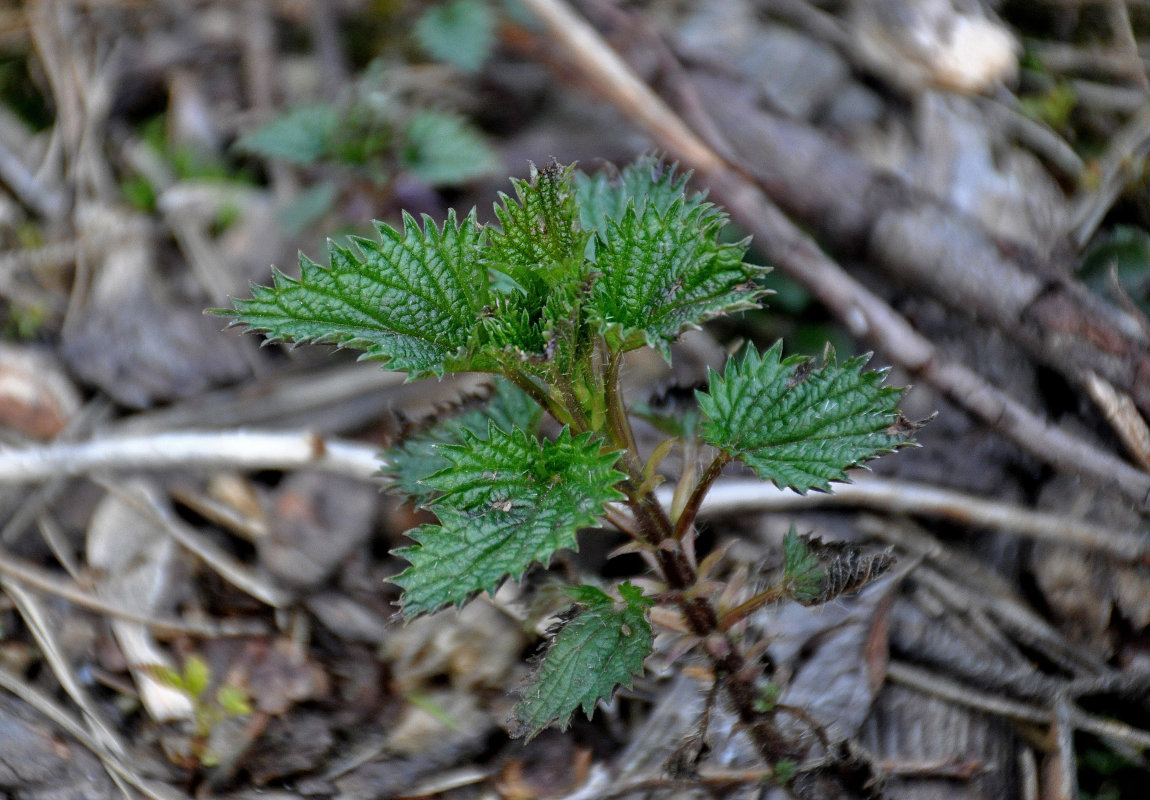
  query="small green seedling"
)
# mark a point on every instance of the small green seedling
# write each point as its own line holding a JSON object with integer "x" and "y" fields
{"x": 576, "y": 272}
{"x": 208, "y": 710}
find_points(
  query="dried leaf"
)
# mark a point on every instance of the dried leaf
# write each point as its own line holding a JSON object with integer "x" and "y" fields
{"x": 842, "y": 566}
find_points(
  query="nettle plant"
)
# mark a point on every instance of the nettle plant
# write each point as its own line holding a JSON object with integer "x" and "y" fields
{"x": 577, "y": 272}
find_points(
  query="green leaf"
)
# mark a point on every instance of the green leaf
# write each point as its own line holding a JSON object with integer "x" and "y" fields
{"x": 598, "y": 646}
{"x": 537, "y": 256}
{"x": 648, "y": 181}
{"x": 412, "y": 299}
{"x": 234, "y": 701}
{"x": 301, "y": 136}
{"x": 460, "y": 32}
{"x": 197, "y": 675}
{"x": 663, "y": 271}
{"x": 445, "y": 150}
{"x": 801, "y": 568}
{"x": 505, "y": 503}
{"x": 799, "y": 425}
{"x": 420, "y": 456}
{"x": 539, "y": 237}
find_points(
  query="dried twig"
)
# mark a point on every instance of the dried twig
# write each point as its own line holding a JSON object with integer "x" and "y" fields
{"x": 1071, "y": 59}
{"x": 904, "y": 497}
{"x": 977, "y": 589}
{"x": 963, "y": 695}
{"x": 1108, "y": 98}
{"x": 1127, "y": 45}
{"x": 32, "y": 193}
{"x": 1035, "y": 135}
{"x": 1127, "y": 149}
{"x": 19, "y": 571}
{"x": 34, "y": 503}
{"x": 236, "y": 450}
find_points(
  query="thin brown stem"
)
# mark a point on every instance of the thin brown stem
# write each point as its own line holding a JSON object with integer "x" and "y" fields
{"x": 653, "y": 528}
{"x": 742, "y": 610}
{"x": 680, "y": 575}
{"x": 691, "y": 509}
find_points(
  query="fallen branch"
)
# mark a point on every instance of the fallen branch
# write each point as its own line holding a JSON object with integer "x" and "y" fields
{"x": 964, "y": 695}
{"x": 235, "y": 450}
{"x": 735, "y": 496}
{"x": 300, "y": 450}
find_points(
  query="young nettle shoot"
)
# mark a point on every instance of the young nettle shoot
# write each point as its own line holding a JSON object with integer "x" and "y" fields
{"x": 576, "y": 272}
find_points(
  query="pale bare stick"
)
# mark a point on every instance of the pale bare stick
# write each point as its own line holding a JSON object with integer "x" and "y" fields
{"x": 233, "y": 449}
{"x": 735, "y": 495}
{"x": 968, "y": 696}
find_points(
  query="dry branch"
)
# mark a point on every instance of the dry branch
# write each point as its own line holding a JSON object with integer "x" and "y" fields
{"x": 240, "y": 449}
{"x": 864, "y": 313}
{"x": 736, "y": 496}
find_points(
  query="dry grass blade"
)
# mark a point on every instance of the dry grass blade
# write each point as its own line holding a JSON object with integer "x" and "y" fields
{"x": 230, "y": 569}
{"x": 36, "y": 618}
{"x": 18, "y": 571}
{"x": 74, "y": 728}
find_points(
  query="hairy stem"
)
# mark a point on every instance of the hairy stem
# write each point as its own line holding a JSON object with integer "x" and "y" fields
{"x": 574, "y": 407}
{"x": 540, "y": 396}
{"x": 681, "y": 577}
{"x": 691, "y": 509}
{"x": 742, "y": 610}
{"x": 618, "y": 423}
{"x": 654, "y": 524}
